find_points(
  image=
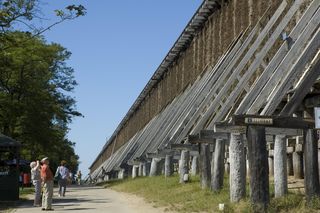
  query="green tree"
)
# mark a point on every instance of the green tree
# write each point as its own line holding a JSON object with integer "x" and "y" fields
{"x": 35, "y": 105}
{"x": 23, "y": 12}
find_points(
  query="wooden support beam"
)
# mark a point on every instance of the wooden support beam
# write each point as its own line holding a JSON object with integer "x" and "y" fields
{"x": 259, "y": 172}
{"x": 205, "y": 173}
{"x": 218, "y": 166}
{"x": 237, "y": 168}
{"x": 207, "y": 136}
{"x": 280, "y": 166}
{"x": 189, "y": 147}
{"x": 311, "y": 180}
{"x": 184, "y": 166}
{"x": 302, "y": 90}
{"x": 297, "y": 158}
{"x": 195, "y": 165}
{"x": 168, "y": 166}
{"x": 211, "y": 134}
{"x": 272, "y": 121}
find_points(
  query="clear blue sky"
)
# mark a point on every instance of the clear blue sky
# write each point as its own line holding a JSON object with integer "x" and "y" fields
{"x": 115, "y": 49}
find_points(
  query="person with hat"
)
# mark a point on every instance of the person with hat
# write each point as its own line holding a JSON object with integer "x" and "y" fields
{"x": 36, "y": 181}
{"x": 47, "y": 181}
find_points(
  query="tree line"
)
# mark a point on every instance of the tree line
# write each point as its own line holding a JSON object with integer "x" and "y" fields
{"x": 36, "y": 83}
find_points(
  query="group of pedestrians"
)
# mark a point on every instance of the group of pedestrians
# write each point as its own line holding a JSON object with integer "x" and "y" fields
{"x": 42, "y": 179}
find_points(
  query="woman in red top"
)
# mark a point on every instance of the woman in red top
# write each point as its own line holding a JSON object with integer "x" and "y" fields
{"x": 47, "y": 180}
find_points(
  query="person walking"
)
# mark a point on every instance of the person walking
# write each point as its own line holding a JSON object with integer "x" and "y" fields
{"x": 79, "y": 177}
{"x": 63, "y": 173}
{"x": 47, "y": 181}
{"x": 36, "y": 181}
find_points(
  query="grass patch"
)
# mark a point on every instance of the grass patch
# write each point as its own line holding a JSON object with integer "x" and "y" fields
{"x": 23, "y": 193}
{"x": 168, "y": 193}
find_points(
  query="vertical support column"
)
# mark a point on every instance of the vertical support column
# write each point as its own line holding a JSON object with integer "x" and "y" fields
{"x": 259, "y": 172}
{"x": 168, "y": 166}
{"x": 298, "y": 162}
{"x": 289, "y": 163}
{"x": 311, "y": 180}
{"x": 271, "y": 165}
{"x": 237, "y": 168}
{"x": 218, "y": 168}
{"x": 146, "y": 168}
{"x": 184, "y": 169}
{"x": 212, "y": 165}
{"x": 280, "y": 166}
{"x": 140, "y": 169}
{"x": 205, "y": 173}
{"x": 227, "y": 166}
{"x": 121, "y": 174}
{"x": 135, "y": 170}
{"x": 154, "y": 167}
{"x": 195, "y": 166}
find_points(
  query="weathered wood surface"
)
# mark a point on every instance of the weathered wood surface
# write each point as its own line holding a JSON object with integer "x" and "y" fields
{"x": 184, "y": 166}
{"x": 311, "y": 178}
{"x": 205, "y": 171}
{"x": 230, "y": 75}
{"x": 190, "y": 147}
{"x": 302, "y": 89}
{"x": 237, "y": 168}
{"x": 297, "y": 158}
{"x": 168, "y": 166}
{"x": 218, "y": 166}
{"x": 278, "y": 63}
{"x": 195, "y": 166}
{"x": 271, "y": 121}
{"x": 288, "y": 80}
{"x": 259, "y": 172}
{"x": 280, "y": 166}
{"x": 207, "y": 136}
{"x": 231, "y": 54}
{"x": 155, "y": 168}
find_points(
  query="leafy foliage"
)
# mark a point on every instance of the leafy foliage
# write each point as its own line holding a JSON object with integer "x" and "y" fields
{"x": 34, "y": 106}
{"x": 13, "y": 12}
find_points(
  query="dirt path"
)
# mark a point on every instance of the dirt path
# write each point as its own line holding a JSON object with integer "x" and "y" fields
{"x": 93, "y": 199}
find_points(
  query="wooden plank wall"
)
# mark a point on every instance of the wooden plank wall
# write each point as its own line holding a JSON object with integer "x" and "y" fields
{"x": 205, "y": 49}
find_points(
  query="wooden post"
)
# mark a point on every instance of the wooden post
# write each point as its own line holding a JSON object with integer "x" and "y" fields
{"x": 184, "y": 166}
{"x": 211, "y": 166}
{"x": 271, "y": 166}
{"x": 205, "y": 173}
{"x": 195, "y": 166}
{"x": 227, "y": 167}
{"x": 237, "y": 168}
{"x": 259, "y": 172}
{"x": 289, "y": 164}
{"x": 311, "y": 180}
{"x": 140, "y": 169}
{"x": 154, "y": 167}
{"x": 168, "y": 166}
{"x": 135, "y": 169}
{"x": 218, "y": 168}
{"x": 121, "y": 174}
{"x": 146, "y": 168}
{"x": 298, "y": 165}
{"x": 280, "y": 166}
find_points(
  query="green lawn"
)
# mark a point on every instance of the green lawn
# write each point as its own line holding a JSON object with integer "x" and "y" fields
{"x": 168, "y": 193}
